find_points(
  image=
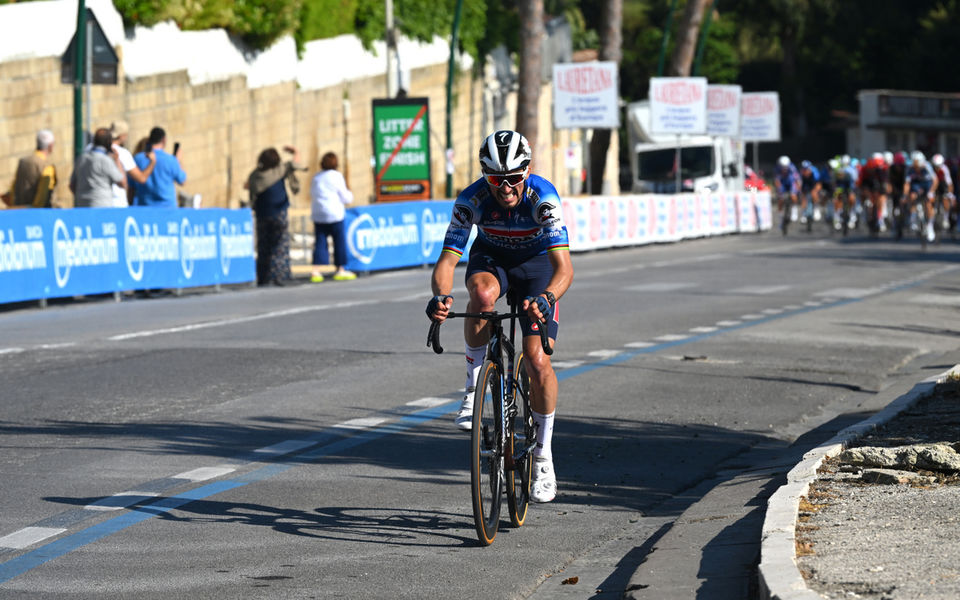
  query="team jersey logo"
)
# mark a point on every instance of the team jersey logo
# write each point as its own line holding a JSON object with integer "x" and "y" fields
{"x": 462, "y": 215}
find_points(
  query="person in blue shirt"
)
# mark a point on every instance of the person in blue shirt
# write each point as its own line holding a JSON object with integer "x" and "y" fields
{"x": 810, "y": 186}
{"x": 521, "y": 244}
{"x": 159, "y": 190}
{"x": 786, "y": 183}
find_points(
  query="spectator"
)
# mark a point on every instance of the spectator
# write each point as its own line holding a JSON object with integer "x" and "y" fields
{"x": 329, "y": 193}
{"x": 123, "y": 195}
{"x": 269, "y": 199}
{"x": 159, "y": 189}
{"x": 36, "y": 175}
{"x": 96, "y": 172}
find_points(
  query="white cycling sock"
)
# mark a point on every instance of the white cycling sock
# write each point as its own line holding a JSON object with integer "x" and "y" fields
{"x": 544, "y": 425}
{"x": 474, "y": 358}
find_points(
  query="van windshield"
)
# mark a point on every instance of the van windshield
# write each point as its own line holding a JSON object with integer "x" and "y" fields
{"x": 658, "y": 165}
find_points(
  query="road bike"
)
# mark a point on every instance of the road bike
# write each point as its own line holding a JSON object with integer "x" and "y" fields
{"x": 502, "y": 437}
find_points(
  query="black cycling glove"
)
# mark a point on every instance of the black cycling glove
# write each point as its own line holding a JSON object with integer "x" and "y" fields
{"x": 434, "y": 303}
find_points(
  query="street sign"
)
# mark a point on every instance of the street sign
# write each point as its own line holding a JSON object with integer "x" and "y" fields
{"x": 105, "y": 60}
{"x": 585, "y": 96}
{"x": 760, "y": 117}
{"x": 723, "y": 110}
{"x": 401, "y": 149}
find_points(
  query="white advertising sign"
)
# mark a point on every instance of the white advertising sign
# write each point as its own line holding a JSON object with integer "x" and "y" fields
{"x": 678, "y": 105}
{"x": 760, "y": 117}
{"x": 723, "y": 110}
{"x": 586, "y": 96}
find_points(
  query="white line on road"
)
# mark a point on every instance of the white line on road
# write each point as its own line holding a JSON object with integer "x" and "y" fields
{"x": 285, "y": 447}
{"x": 121, "y": 500}
{"x": 759, "y": 290}
{"x": 28, "y": 536}
{"x": 671, "y": 337}
{"x": 639, "y": 345}
{"x": 703, "y": 330}
{"x": 225, "y": 322}
{"x": 429, "y": 402}
{"x": 11, "y": 350}
{"x": 205, "y": 473}
{"x": 567, "y": 364}
{"x": 361, "y": 423}
{"x": 665, "y": 286}
{"x": 751, "y": 317}
{"x": 729, "y": 323}
{"x": 56, "y": 346}
{"x": 772, "y": 311}
{"x": 603, "y": 353}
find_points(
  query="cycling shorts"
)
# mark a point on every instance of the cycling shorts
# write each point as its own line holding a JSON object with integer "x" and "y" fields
{"x": 523, "y": 278}
{"x": 920, "y": 187}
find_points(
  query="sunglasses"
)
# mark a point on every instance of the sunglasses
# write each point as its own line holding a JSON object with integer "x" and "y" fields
{"x": 511, "y": 179}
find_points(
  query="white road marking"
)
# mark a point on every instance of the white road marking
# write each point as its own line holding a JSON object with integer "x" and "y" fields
{"x": 665, "y": 286}
{"x": 760, "y": 290}
{"x": 603, "y": 353}
{"x": 792, "y": 307}
{"x": 361, "y": 423}
{"x": 639, "y": 345}
{"x": 28, "y": 536}
{"x": 429, "y": 402}
{"x": 729, "y": 323}
{"x": 772, "y": 311}
{"x": 285, "y": 447}
{"x": 846, "y": 293}
{"x": 671, "y": 337}
{"x": 567, "y": 364}
{"x": 811, "y": 303}
{"x": 936, "y": 299}
{"x": 226, "y": 322}
{"x": 751, "y": 317}
{"x": 205, "y": 473}
{"x": 55, "y": 346}
{"x": 11, "y": 350}
{"x": 121, "y": 500}
{"x": 703, "y": 330}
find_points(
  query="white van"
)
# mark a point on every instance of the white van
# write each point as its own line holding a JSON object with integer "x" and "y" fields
{"x": 707, "y": 164}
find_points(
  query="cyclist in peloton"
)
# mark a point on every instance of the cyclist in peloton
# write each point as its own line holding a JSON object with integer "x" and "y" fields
{"x": 521, "y": 244}
{"x": 921, "y": 183}
{"x": 897, "y": 175}
{"x": 810, "y": 187}
{"x": 944, "y": 188}
{"x": 787, "y": 185}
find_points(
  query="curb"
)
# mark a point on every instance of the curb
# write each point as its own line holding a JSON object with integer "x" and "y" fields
{"x": 779, "y": 576}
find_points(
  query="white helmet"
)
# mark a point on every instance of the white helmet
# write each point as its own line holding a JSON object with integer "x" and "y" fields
{"x": 845, "y": 160}
{"x": 504, "y": 151}
{"x": 937, "y": 160}
{"x": 784, "y": 161}
{"x": 918, "y": 158}
{"x": 888, "y": 157}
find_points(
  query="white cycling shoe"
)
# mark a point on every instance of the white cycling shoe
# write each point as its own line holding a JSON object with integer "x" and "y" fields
{"x": 464, "y": 418}
{"x": 544, "y": 485}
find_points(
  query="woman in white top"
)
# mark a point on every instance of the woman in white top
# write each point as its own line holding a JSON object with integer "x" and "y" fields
{"x": 330, "y": 195}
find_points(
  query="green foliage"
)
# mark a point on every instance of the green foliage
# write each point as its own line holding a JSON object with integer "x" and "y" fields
{"x": 322, "y": 19}
{"x": 142, "y": 12}
{"x": 261, "y": 22}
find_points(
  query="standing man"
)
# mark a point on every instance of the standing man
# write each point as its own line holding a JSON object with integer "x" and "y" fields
{"x": 36, "y": 175}
{"x": 96, "y": 172}
{"x": 159, "y": 190}
{"x": 120, "y": 131}
{"x": 521, "y": 244}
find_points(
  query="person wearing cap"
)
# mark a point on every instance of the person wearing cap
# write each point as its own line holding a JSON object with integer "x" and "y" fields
{"x": 120, "y": 131}
{"x": 36, "y": 175}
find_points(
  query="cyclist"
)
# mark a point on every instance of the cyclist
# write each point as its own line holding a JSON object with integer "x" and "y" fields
{"x": 786, "y": 182}
{"x": 873, "y": 183}
{"x": 810, "y": 187}
{"x": 521, "y": 244}
{"x": 944, "y": 190}
{"x": 897, "y": 176}
{"x": 921, "y": 183}
{"x": 844, "y": 194}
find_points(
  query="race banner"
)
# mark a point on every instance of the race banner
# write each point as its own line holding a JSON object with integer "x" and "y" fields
{"x": 401, "y": 149}
{"x": 50, "y": 253}
{"x": 723, "y": 110}
{"x": 678, "y": 105}
{"x": 586, "y": 96}
{"x": 760, "y": 117}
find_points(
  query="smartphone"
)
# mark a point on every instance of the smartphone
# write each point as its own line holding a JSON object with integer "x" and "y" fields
{"x": 176, "y": 148}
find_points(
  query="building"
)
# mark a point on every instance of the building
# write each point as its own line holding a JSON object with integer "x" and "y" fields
{"x": 903, "y": 120}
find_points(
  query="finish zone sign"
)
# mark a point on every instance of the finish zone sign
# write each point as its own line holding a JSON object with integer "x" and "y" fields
{"x": 401, "y": 149}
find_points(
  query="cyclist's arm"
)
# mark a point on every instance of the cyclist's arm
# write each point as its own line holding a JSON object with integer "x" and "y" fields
{"x": 559, "y": 281}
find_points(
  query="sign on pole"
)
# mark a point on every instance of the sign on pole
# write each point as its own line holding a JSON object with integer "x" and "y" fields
{"x": 760, "y": 117}
{"x": 723, "y": 110}
{"x": 401, "y": 149}
{"x": 585, "y": 96}
{"x": 678, "y": 105}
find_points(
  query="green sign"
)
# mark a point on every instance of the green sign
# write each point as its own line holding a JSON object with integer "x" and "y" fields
{"x": 401, "y": 148}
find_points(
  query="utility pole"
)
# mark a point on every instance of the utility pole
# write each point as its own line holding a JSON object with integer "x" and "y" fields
{"x": 450, "y": 77}
{"x": 79, "y": 62}
{"x": 392, "y": 83}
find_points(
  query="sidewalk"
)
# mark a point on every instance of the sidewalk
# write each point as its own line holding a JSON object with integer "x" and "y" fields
{"x": 856, "y": 520}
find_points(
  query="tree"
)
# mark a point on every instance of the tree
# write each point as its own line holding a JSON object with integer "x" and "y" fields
{"x": 682, "y": 58}
{"x": 528, "y": 96}
{"x": 611, "y": 42}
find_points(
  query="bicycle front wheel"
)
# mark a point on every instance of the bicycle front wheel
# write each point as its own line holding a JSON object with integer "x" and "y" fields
{"x": 486, "y": 453}
{"x": 520, "y": 437}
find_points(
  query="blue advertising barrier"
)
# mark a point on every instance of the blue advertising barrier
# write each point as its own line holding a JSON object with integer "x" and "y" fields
{"x": 398, "y": 234}
{"x": 50, "y": 253}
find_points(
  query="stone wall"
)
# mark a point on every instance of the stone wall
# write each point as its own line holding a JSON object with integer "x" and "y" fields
{"x": 222, "y": 126}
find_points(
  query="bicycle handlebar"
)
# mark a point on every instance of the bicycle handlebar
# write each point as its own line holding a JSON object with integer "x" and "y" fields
{"x": 433, "y": 336}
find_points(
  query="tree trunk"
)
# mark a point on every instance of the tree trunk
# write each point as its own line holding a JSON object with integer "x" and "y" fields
{"x": 682, "y": 58}
{"x": 611, "y": 43}
{"x": 528, "y": 96}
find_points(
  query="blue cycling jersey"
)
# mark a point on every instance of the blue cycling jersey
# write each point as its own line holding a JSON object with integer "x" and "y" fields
{"x": 787, "y": 179}
{"x": 535, "y": 226}
{"x": 808, "y": 182}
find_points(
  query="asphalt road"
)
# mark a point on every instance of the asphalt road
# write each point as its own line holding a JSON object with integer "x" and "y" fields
{"x": 298, "y": 442}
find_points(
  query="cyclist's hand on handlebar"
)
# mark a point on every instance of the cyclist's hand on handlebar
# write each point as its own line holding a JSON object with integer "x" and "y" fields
{"x": 438, "y": 307}
{"x": 538, "y": 309}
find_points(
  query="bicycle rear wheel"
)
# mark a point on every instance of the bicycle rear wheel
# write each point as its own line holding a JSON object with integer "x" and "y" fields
{"x": 520, "y": 434}
{"x": 486, "y": 455}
